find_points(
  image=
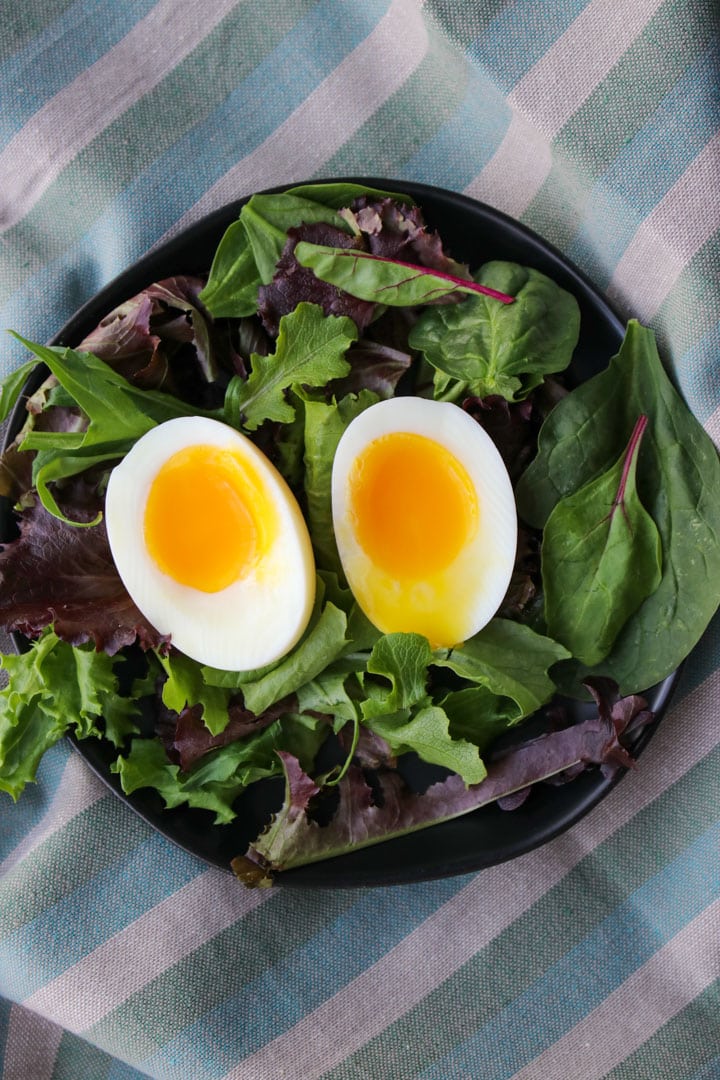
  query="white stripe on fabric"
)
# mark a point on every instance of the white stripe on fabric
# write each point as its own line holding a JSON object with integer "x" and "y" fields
{"x": 78, "y": 790}
{"x": 329, "y": 116}
{"x": 50, "y": 140}
{"x": 684, "y": 219}
{"x": 492, "y": 901}
{"x": 31, "y": 1046}
{"x": 550, "y": 93}
{"x": 144, "y": 949}
{"x": 650, "y": 997}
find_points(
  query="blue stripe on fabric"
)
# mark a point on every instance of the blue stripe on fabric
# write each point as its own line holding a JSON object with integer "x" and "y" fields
{"x": 710, "y": 1070}
{"x": 81, "y": 35}
{"x": 466, "y": 141}
{"x": 303, "y": 980}
{"x": 35, "y": 800}
{"x": 141, "y": 213}
{"x": 520, "y": 35}
{"x": 631, "y": 187}
{"x": 120, "y": 1070}
{"x": 590, "y": 971}
{"x": 107, "y": 903}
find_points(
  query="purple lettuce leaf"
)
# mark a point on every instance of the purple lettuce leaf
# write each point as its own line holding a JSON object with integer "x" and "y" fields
{"x": 293, "y": 284}
{"x": 386, "y": 807}
{"x": 394, "y": 230}
{"x": 187, "y": 739}
{"x": 56, "y": 574}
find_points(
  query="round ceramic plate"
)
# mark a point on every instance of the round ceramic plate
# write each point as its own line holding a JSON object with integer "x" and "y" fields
{"x": 472, "y": 233}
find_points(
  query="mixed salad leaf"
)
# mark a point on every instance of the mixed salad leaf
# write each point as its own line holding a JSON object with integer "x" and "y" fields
{"x": 321, "y": 301}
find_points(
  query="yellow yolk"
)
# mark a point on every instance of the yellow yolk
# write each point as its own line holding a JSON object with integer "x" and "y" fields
{"x": 207, "y": 519}
{"x": 414, "y": 510}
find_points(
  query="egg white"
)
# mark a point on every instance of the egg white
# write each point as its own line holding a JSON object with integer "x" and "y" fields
{"x": 466, "y": 595}
{"x": 254, "y": 620}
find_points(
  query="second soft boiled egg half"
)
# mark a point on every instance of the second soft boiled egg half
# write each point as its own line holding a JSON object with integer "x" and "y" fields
{"x": 424, "y": 517}
{"x": 211, "y": 544}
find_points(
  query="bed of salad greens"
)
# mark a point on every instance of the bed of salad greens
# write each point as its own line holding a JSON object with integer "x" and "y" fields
{"x": 320, "y": 301}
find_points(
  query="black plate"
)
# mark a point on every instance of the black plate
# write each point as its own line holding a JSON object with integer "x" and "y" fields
{"x": 473, "y": 233}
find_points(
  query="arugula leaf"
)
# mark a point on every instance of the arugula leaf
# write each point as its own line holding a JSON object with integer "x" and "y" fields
{"x": 678, "y": 481}
{"x": 601, "y": 557}
{"x": 509, "y": 659}
{"x": 55, "y": 688}
{"x": 481, "y": 347}
{"x": 385, "y": 281}
{"x": 310, "y": 351}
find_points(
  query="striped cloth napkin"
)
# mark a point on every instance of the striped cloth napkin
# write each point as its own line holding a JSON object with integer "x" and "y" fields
{"x": 597, "y": 124}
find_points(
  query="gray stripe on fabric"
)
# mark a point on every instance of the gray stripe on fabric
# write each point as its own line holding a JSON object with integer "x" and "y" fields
{"x": 328, "y": 117}
{"x": 31, "y": 1046}
{"x": 492, "y": 901}
{"x": 50, "y": 140}
{"x": 635, "y": 1010}
{"x": 162, "y": 936}
{"x": 78, "y": 789}
{"x": 684, "y": 219}
{"x": 548, "y": 95}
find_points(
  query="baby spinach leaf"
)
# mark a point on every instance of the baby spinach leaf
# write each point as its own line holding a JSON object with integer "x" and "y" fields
{"x": 386, "y": 281}
{"x": 11, "y": 388}
{"x": 509, "y": 659}
{"x": 251, "y": 246}
{"x": 678, "y": 481}
{"x": 481, "y": 347}
{"x": 310, "y": 351}
{"x": 601, "y": 557}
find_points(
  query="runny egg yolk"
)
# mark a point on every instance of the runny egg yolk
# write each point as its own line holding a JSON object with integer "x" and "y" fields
{"x": 414, "y": 510}
{"x": 208, "y": 520}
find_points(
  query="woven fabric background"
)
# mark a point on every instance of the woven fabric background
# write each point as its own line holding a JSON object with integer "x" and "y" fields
{"x": 598, "y": 125}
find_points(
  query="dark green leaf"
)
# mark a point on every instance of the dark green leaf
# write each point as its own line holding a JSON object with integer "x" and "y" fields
{"x": 601, "y": 557}
{"x": 481, "y": 347}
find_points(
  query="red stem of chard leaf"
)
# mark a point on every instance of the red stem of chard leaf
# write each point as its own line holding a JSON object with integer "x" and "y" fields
{"x": 631, "y": 452}
{"x": 471, "y": 286}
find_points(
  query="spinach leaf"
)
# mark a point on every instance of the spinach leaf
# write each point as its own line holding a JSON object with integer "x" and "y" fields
{"x": 310, "y": 351}
{"x": 251, "y": 246}
{"x": 601, "y": 557}
{"x": 386, "y": 281}
{"x": 481, "y": 347}
{"x": 11, "y": 388}
{"x": 678, "y": 481}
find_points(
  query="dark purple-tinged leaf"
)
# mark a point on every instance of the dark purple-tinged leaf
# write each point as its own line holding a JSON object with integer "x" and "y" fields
{"x": 191, "y": 739}
{"x": 368, "y": 814}
{"x": 56, "y": 574}
{"x": 374, "y": 367}
{"x": 294, "y": 284}
{"x": 513, "y": 427}
{"x": 395, "y": 230}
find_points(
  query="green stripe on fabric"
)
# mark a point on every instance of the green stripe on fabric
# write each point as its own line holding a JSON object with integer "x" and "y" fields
{"x": 77, "y": 1058}
{"x": 125, "y": 148}
{"x": 407, "y": 119}
{"x": 615, "y": 111}
{"x": 170, "y": 1002}
{"x": 464, "y": 22}
{"x": 568, "y": 912}
{"x": 682, "y": 1046}
{"x": 64, "y": 861}
{"x": 20, "y": 22}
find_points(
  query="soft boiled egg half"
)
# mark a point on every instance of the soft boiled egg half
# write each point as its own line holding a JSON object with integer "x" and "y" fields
{"x": 424, "y": 518}
{"x": 211, "y": 544}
